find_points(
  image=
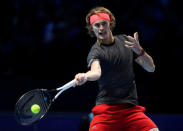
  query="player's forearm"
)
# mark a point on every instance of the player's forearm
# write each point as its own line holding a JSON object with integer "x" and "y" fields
{"x": 92, "y": 75}
{"x": 146, "y": 62}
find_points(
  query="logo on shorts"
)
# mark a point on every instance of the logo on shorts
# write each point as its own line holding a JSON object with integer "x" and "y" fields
{"x": 94, "y": 127}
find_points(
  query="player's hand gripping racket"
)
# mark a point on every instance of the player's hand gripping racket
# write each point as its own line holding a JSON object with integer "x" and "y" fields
{"x": 33, "y": 105}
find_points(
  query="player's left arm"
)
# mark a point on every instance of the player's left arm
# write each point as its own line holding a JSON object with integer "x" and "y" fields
{"x": 143, "y": 59}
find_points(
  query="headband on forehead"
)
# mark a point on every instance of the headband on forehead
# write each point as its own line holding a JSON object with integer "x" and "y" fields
{"x": 99, "y": 16}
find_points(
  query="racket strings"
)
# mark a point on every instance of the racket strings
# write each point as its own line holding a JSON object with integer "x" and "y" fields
{"x": 44, "y": 100}
{"x": 23, "y": 111}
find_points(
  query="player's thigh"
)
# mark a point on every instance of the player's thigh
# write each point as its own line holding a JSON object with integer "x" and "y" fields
{"x": 139, "y": 121}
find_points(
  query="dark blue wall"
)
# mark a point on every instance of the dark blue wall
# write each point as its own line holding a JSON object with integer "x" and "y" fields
{"x": 44, "y": 43}
{"x": 73, "y": 121}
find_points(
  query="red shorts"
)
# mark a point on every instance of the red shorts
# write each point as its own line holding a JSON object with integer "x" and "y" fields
{"x": 121, "y": 117}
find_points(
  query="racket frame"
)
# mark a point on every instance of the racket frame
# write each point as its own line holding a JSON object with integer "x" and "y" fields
{"x": 60, "y": 90}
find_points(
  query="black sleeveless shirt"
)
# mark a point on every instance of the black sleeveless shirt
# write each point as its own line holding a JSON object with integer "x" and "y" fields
{"x": 116, "y": 84}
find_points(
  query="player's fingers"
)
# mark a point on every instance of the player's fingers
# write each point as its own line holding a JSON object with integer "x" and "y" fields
{"x": 81, "y": 77}
{"x": 129, "y": 43}
{"x": 75, "y": 84}
{"x": 136, "y": 36}
{"x": 78, "y": 79}
{"x": 129, "y": 46}
{"x": 78, "y": 76}
{"x": 130, "y": 38}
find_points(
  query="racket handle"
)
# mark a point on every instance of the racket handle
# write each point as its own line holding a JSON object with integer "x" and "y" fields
{"x": 67, "y": 85}
{"x": 64, "y": 87}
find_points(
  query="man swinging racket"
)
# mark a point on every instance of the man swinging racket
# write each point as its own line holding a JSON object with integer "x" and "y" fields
{"x": 111, "y": 63}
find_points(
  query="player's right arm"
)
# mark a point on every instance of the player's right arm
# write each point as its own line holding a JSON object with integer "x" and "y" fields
{"x": 92, "y": 75}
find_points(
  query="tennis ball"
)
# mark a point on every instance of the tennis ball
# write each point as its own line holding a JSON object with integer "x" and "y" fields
{"x": 35, "y": 108}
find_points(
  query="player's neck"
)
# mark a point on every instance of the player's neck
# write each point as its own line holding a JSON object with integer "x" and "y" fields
{"x": 107, "y": 41}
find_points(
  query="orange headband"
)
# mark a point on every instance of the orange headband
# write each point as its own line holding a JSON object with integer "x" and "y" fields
{"x": 99, "y": 16}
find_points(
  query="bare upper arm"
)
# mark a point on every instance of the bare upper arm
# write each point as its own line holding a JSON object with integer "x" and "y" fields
{"x": 95, "y": 66}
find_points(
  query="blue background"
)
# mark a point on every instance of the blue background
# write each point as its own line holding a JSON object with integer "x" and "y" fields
{"x": 44, "y": 43}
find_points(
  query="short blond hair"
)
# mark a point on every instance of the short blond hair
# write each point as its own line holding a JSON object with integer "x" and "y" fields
{"x": 95, "y": 11}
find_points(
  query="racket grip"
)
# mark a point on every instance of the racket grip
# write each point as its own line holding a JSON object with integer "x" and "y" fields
{"x": 67, "y": 85}
{"x": 64, "y": 87}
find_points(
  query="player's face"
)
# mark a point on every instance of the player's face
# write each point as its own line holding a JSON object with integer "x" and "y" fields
{"x": 101, "y": 29}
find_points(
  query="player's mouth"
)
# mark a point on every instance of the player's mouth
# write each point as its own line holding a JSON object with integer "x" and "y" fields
{"x": 102, "y": 33}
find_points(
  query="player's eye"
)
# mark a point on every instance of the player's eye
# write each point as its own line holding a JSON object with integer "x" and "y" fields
{"x": 97, "y": 25}
{"x": 104, "y": 23}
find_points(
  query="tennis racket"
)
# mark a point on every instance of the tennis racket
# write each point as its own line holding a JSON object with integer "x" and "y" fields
{"x": 41, "y": 97}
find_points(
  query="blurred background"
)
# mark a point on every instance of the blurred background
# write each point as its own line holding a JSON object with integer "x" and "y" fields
{"x": 44, "y": 43}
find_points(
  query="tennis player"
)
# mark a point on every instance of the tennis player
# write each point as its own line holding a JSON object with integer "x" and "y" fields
{"x": 111, "y": 63}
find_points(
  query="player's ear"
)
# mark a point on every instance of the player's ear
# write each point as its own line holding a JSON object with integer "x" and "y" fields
{"x": 92, "y": 31}
{"x": 110, "y": 24}
{"x": 91, "y": 27}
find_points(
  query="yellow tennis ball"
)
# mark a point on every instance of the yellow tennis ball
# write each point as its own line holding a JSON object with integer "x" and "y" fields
{"x": 35, "y": 108}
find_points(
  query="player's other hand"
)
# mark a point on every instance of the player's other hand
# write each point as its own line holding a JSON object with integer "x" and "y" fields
{"x": 80, "y": 79}
{"x": 133, "y": 43}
